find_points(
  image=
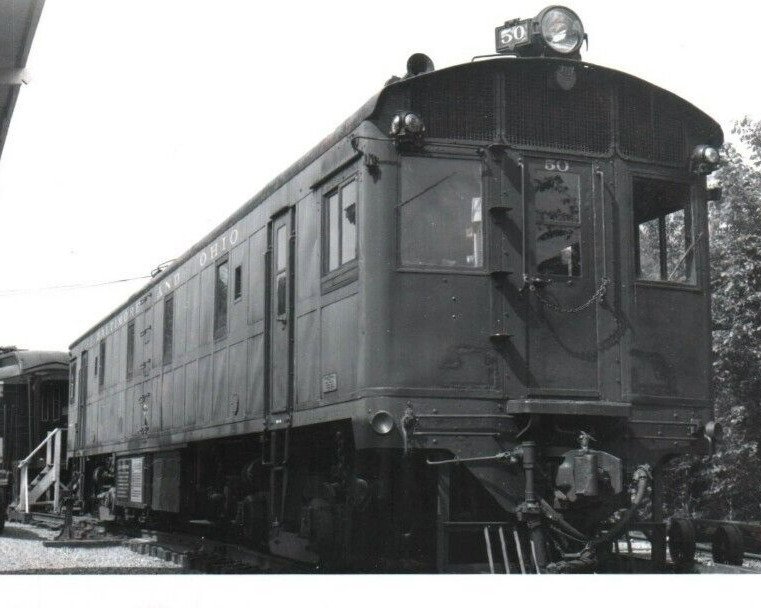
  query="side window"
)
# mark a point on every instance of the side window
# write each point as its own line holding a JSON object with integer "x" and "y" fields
{"x": 238, "y": 283}
{"x": 168, "y": 333}
{"x": 82, "y": 384}
{"x": 221, "y": 284}
{"x": 440, "y": 213}
{"x": 130, "y": 350}
{"x": 281, "y": 258}
{"x": 72, "y": 381}
{"x": 663, "y": 231}
{"x": 340, "y": 226}
{"x": 101, "y": 361}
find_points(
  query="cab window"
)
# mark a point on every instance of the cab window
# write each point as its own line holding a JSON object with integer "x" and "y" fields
{"x": 441, "y": 213}
{"x": 663, "y": 231}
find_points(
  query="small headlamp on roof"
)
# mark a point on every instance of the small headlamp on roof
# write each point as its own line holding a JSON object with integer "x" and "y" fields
{"x": 705, "y": 159}
{"x": 407, "y": 128}
{"x": 555, "y": 32}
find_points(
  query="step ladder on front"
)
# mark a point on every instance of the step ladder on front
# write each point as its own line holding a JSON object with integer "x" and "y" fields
{"x": 33, "y": 493}
{"x": 507, "y": 547}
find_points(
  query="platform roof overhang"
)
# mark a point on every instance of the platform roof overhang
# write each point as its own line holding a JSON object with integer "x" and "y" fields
{"x": 18, "y": 23}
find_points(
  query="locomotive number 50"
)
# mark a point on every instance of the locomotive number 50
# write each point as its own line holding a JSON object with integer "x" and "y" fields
{"x": 557, "y": 165}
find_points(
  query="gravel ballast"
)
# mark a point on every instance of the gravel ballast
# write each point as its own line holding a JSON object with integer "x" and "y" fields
{"x": 22, "y": 551}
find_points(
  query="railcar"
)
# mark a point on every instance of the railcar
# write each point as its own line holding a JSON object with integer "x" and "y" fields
{"x": 467, "y": 329}
{"x": 33, "y": 398}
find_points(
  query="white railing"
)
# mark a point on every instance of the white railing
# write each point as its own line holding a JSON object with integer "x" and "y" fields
{"x": 30, "y": 494}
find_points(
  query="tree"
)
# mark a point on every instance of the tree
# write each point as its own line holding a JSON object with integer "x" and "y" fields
{"x": 727, "y": 484}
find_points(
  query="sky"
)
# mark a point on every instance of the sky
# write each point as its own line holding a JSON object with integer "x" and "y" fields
{"x": 145, "y": 123}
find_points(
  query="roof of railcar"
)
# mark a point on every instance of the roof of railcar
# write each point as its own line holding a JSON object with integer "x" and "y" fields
{"x": 18, "y": 363}
{"x": 364, "y": 113}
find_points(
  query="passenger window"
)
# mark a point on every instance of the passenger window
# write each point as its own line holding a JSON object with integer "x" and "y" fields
{"x": 663, "y": 231}
{"x": 102, "y": 368}
{"x": 168, "y": 333}
{"x": 557, "y": 218}
{"x": 130, "y": 349}
{"x": 221, "y": 283}
{"x": 340, "y": 209}
{"x": 440, "y": 215}
{"x": 72, "y": 380}
{"x": 238, "y": 283}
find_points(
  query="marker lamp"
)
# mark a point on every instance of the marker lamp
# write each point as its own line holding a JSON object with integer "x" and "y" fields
{"x": 382, "y": 423}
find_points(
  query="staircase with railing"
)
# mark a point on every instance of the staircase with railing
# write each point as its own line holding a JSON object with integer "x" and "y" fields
{"x": 34, "y": 493}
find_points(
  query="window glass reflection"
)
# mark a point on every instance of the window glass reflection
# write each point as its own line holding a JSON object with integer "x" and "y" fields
{"x": 558, "y": 250}
{"x": 556, "y": 200}
{"x": 441, "y": 213}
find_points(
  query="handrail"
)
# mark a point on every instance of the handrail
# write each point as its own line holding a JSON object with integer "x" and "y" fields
{"x": 37, "y": 449}
{"x": 50, "y": 475}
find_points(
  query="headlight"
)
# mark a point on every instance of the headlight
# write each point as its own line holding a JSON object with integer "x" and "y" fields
{"x": 382, "y": 422}
{"x": 711, "y": 155}
{"x": 396, "y": 124}
{"x": 413, "y": 123}
{"x": 562, "y": 30}
{"x": 705, "y": 159}
{"x": 407, "y": 127}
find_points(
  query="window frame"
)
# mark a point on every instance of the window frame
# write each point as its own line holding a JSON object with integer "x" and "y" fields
{"x": 73, "y": 368}
{"x": 130, "y": 354}
{"x": 537, "y": 224}
{"x": 337, "y": 187}
{"x": 485, "y": 236}
{"x": 219, "y": 332}
{"x": 101, "y": 363}
{"x": 238, "y": 283}
{"x": 167, "y": 346}
{"x": 690, "y": 208}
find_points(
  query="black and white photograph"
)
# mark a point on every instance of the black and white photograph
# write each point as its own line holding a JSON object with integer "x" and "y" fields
{"x": 374, "y": 304}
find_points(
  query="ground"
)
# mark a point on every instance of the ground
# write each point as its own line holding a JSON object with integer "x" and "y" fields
{"x": 22, "y": 551}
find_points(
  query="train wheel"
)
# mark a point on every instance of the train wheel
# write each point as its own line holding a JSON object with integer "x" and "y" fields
{"x": 727, "y": 545}
{"x": 682, "y": 542}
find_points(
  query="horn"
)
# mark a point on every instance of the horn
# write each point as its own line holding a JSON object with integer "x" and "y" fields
{"x": 419, "y": 63}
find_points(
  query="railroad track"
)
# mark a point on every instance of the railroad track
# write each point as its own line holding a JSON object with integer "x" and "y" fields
{"x": 209, "y": 555}
{"x": 195, "y": 548}
{"x": 704, "y": 549}
{"x": 199, "y": 548}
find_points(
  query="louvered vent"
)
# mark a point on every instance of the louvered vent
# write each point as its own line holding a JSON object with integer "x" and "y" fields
{"x": 457, "y": 106}
{"x": 522, "y": 102}
{"x": 539, "y": 114}
{"x": 650, "y": 127}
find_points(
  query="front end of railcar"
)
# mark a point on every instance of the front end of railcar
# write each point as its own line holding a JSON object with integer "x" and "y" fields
{"x": 550, "y": 323}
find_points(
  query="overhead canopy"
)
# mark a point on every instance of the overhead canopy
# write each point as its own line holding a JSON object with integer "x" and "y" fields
{"x": 18, "y": 22}
{"x": 16, "y": 365}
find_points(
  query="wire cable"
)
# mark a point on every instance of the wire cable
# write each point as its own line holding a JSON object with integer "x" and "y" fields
{"x": 14, "y": 292}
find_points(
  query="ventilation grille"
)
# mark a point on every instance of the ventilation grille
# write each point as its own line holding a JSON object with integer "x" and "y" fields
{"x": 524, "y": 105}
{"x": 458, "y": 106}
{"x": 540, "y": 114}
{"x": 649, "y": 125}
